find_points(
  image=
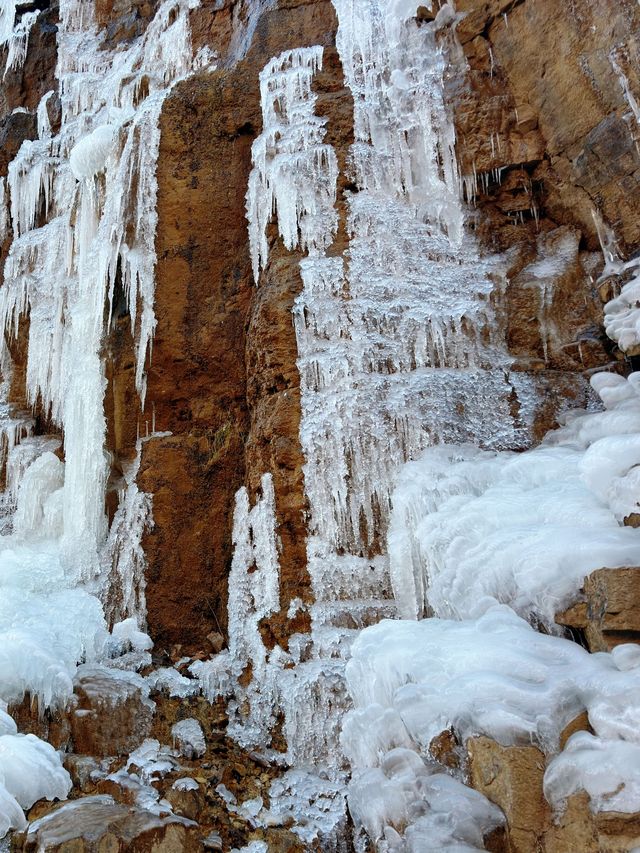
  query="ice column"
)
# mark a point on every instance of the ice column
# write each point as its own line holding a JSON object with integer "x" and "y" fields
{"x": 253, "y": 596}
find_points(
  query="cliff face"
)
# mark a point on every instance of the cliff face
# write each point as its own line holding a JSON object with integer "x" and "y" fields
{"x": 546, "y": 134}
{"x": 541, "y": 122}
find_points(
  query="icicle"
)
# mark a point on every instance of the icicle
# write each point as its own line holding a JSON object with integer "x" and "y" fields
{"x": 7, "y": 19}
{"x": 254, "y": 595}
{"x": 44, "y": 125}
{"x": 18, "y": 42}
{"x": 624, "y": 82}
{"x": 295, "y": 173}
{"x": 3, "y": 210}
{"x": 122, "y": 555}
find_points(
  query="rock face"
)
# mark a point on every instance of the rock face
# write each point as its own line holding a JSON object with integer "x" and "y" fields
{"x": 223, "y": 377}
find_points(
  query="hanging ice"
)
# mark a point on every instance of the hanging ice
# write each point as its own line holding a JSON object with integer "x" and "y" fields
{"x": 19, "y": 41}
{"x": 294, "y": 172}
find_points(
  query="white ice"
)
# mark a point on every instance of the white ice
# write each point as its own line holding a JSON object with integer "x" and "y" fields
{"x": 495, "y": 676}
{"x": 472, "y": 527}
{"x": 188, "y": 738}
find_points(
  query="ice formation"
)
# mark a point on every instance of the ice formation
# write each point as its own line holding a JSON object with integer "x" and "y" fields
{"x": 608, "y": 770}
{"x": 295, "y": 172}
{"x": 472, "y": 527}
{"x": 188, "y": 738}
{"x": 621, "y": 314}
{"x": 399, "y": 346}
{"x": 254, "y": 595}
{"x": 494, "y": 676}
{"x": 30, "y": 770}
{"x": 18, "y": 42}
{"x": 389, "y": 802}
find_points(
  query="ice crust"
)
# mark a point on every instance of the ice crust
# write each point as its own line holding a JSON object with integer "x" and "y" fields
{"x": 608, "y": 770}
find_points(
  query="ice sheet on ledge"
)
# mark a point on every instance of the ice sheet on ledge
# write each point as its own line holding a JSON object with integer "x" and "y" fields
{"x": 471, "y": 527}
{"x": 169, "y": 681}
{"x": 608, "y": 770}
{"x": 494, "y": 676}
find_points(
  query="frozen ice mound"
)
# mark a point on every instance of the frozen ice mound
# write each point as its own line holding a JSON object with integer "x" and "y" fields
{"x": 30, "y": 770}
{"x": 412, "y": 808}
{"x": 45, "y": 627}
{"x": 470, "y": 528}
{"x": 188, "y": 738}
{"x": 495, "y": 676}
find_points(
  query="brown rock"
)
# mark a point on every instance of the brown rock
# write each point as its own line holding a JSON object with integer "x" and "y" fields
{"x": 617, "y": 833}
{"x": 580, "y": 724}
{"x": 574, "y": 829}
{"x": 188, "y": 803}
{"x": 48, "y": 724}
{"x": 83, "y": 770}
{"x": 610, "y": 614}
{"x": 556, "y": 61}
{"x": 223, "y": 377}
{"x": 216, "y": 641}
{"x": 24, "y": 87}
{"x": 111, "y": 717}
{"x": 99, "y": 824}
{"x": 511, "y": 777}
{"x": 445, "y": 748}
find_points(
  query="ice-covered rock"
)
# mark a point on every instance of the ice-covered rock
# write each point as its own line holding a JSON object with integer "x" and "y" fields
{"x": 471, "y": 527}
{"x": 188, "y": 738}
{"x": 113, "y": 712}
{"x": 91, "y": 822}
{"x": 608, "y": 770}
